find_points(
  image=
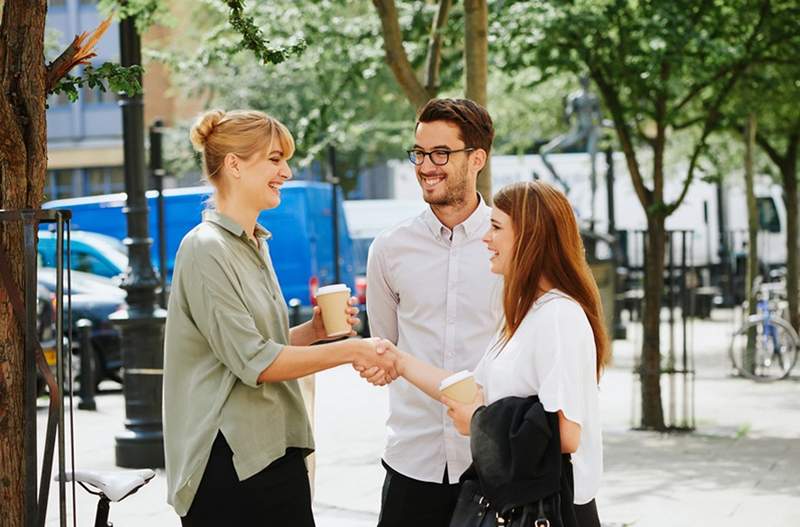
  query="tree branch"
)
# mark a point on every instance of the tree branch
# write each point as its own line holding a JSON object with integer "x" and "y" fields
{"x": 396, "y": 56}
{"x": 80, "y": 51}
{"x": 435, "y": 48}
{"x": 771, "y": 152}
{"x": 729, "y": 68}
{"x": 686, "y": 124}
{"x": 713, "y": 113}
{"x": 611, "y": 97}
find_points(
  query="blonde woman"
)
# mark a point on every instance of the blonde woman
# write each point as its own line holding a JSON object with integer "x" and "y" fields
{"x": 236, "y": 431}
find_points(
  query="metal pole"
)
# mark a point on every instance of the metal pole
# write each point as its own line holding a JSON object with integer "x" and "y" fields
{"x": 87, "y": 401}
{"x": 158, "y": 173}
{"x": 334, "y": 210}
{"x": 612, "y": 225}
{"x": 723, "y": 251}
{"x": 29, "y": 365}
{"x": 141, "y": 323}
{"x": 62, "y": 489}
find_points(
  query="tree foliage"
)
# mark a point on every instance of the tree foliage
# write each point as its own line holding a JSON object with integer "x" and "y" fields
{"x": 664, "y": 70}
{"x": 337, "y": 92}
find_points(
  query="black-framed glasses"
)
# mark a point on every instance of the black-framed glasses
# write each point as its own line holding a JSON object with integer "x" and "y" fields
{"x": 438, "y": 157}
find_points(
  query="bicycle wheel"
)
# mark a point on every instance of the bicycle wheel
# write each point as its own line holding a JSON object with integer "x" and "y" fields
{"x": 764, "y": 348}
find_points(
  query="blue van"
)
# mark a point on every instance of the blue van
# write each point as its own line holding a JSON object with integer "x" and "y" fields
{"x": 301, "y": 227}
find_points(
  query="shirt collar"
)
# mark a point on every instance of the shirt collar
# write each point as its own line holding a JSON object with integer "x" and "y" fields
{"x": 230, "y": 225}
{"x": 473, "y": 224}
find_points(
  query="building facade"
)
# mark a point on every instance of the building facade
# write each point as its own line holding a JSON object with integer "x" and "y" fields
{"x": 84, "y": 138}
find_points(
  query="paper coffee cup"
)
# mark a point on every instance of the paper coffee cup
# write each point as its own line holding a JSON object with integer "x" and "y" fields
{"x": 460, "y": 387}
{"x": 332, "y": 300}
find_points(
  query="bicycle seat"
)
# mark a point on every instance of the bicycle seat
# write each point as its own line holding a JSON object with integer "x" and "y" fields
{"x": 115, "y": 485}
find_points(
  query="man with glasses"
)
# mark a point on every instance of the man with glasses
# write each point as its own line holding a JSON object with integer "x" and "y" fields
{"x": 430, "y": 291}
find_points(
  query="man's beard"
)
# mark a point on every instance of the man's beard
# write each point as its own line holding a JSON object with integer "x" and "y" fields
{"x": 455, "y": 190}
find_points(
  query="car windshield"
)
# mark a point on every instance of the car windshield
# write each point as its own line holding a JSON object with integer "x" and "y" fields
{"x": 112, "y": 248}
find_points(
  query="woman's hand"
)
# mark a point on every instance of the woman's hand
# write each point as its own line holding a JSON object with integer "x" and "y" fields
{"x": 380, "y": 362}
{"x": 318, "y": 326}
{"x": 462, "y": 413}
{"x": 376, "y": 375}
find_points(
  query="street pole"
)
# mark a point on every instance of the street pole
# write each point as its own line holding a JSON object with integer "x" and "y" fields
{"x": 725, "y": 271}
{"x": 141, "y": 322}
{"x": 335, "y": 211}
{"x": 619, "y": 330}
{"x": 612, "y": 223}
{"x": 157, "y": 174}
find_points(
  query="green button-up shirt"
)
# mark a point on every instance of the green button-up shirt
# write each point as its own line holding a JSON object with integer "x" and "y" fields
{"x": 226, "y": 322}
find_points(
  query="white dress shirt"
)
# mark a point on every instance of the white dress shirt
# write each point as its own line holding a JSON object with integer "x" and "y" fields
{"x": 431, "y": 292}
{"x": 552, "y": 354}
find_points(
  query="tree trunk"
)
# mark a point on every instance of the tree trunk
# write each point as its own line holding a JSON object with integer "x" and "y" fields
{"x": 476, "y": 66}
{"x": 752, "y": 232}
{"x": 652, "y": 410}
{"x": 23, "y": 164}
{"x": 789, "y": 174}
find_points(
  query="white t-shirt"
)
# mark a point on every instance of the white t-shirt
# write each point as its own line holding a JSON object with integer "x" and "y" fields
{"x": 552, "y": 354}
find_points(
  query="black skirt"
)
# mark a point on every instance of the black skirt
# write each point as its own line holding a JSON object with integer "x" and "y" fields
{"x": 279, "y": 495}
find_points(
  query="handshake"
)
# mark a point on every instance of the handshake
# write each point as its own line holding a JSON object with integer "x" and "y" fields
{"x": 378, "y": 360}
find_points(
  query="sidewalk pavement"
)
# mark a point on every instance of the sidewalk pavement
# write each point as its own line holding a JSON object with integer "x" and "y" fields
{"x": 740, "y": 467}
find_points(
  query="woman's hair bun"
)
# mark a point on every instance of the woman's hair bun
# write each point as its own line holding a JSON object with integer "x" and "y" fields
{"x": 203, "y": 127}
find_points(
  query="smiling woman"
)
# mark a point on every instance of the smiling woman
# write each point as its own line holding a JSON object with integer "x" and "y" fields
{"x": 255, "y": 149}
{"x": 236, "y": 430}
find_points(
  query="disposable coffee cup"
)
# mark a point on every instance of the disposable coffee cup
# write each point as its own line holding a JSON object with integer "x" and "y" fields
{"x": 332, "y": 300}
{"x": 460, "y": 387}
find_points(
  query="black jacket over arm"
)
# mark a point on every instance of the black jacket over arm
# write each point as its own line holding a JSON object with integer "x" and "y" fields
{"x": 516, "y": 453}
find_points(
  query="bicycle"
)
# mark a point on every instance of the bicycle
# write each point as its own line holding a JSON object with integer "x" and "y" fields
{"x": 765, "y": 348}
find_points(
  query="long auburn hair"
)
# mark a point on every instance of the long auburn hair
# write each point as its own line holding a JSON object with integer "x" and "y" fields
{"x": 547, "y": 243}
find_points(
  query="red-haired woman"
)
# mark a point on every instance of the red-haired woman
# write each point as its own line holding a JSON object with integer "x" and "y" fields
{"x": 552, "y": 342}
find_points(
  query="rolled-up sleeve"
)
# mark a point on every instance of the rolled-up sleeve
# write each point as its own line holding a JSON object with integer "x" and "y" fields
{"x": 223, "y": 318}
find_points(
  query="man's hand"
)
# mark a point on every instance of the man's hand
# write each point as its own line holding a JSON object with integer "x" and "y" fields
{"x": 462, "y": 413}
{"x": 375, "y": 375}
{"x": 318, "y": 326}
{"x": 377, "y": 363}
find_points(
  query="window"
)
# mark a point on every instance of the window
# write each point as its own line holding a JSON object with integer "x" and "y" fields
{"x": 104, "y": 180}
{"x": 116, "y": 179}
{"x": 768, "y": 219}
{"x": 95, "y": 181}
{"x": 60, "y": 184}
{"x": 91, "y": 263}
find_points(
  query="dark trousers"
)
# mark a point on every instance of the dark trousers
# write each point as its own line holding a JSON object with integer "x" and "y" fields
{"x": 586, "y": 515}
{"x": 277, "y": 496}
{"x": 407, "y": 501}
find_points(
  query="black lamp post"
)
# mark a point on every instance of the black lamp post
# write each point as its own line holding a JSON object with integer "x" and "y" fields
{"x": 334, "y": 181}
{"x": 141, "y": 324}
{"x": 158, "y": 173}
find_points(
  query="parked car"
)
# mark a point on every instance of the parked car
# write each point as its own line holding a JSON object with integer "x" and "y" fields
{"x": 92, "y": 253}
{"x": 94, "y": 298}
{"x": 301, "y": 227}
{"x": 366, "y": 219}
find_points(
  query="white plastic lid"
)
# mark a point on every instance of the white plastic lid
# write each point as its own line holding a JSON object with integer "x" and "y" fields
{"x": 456, "y": 377}
{"x": 333, "y": 288}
